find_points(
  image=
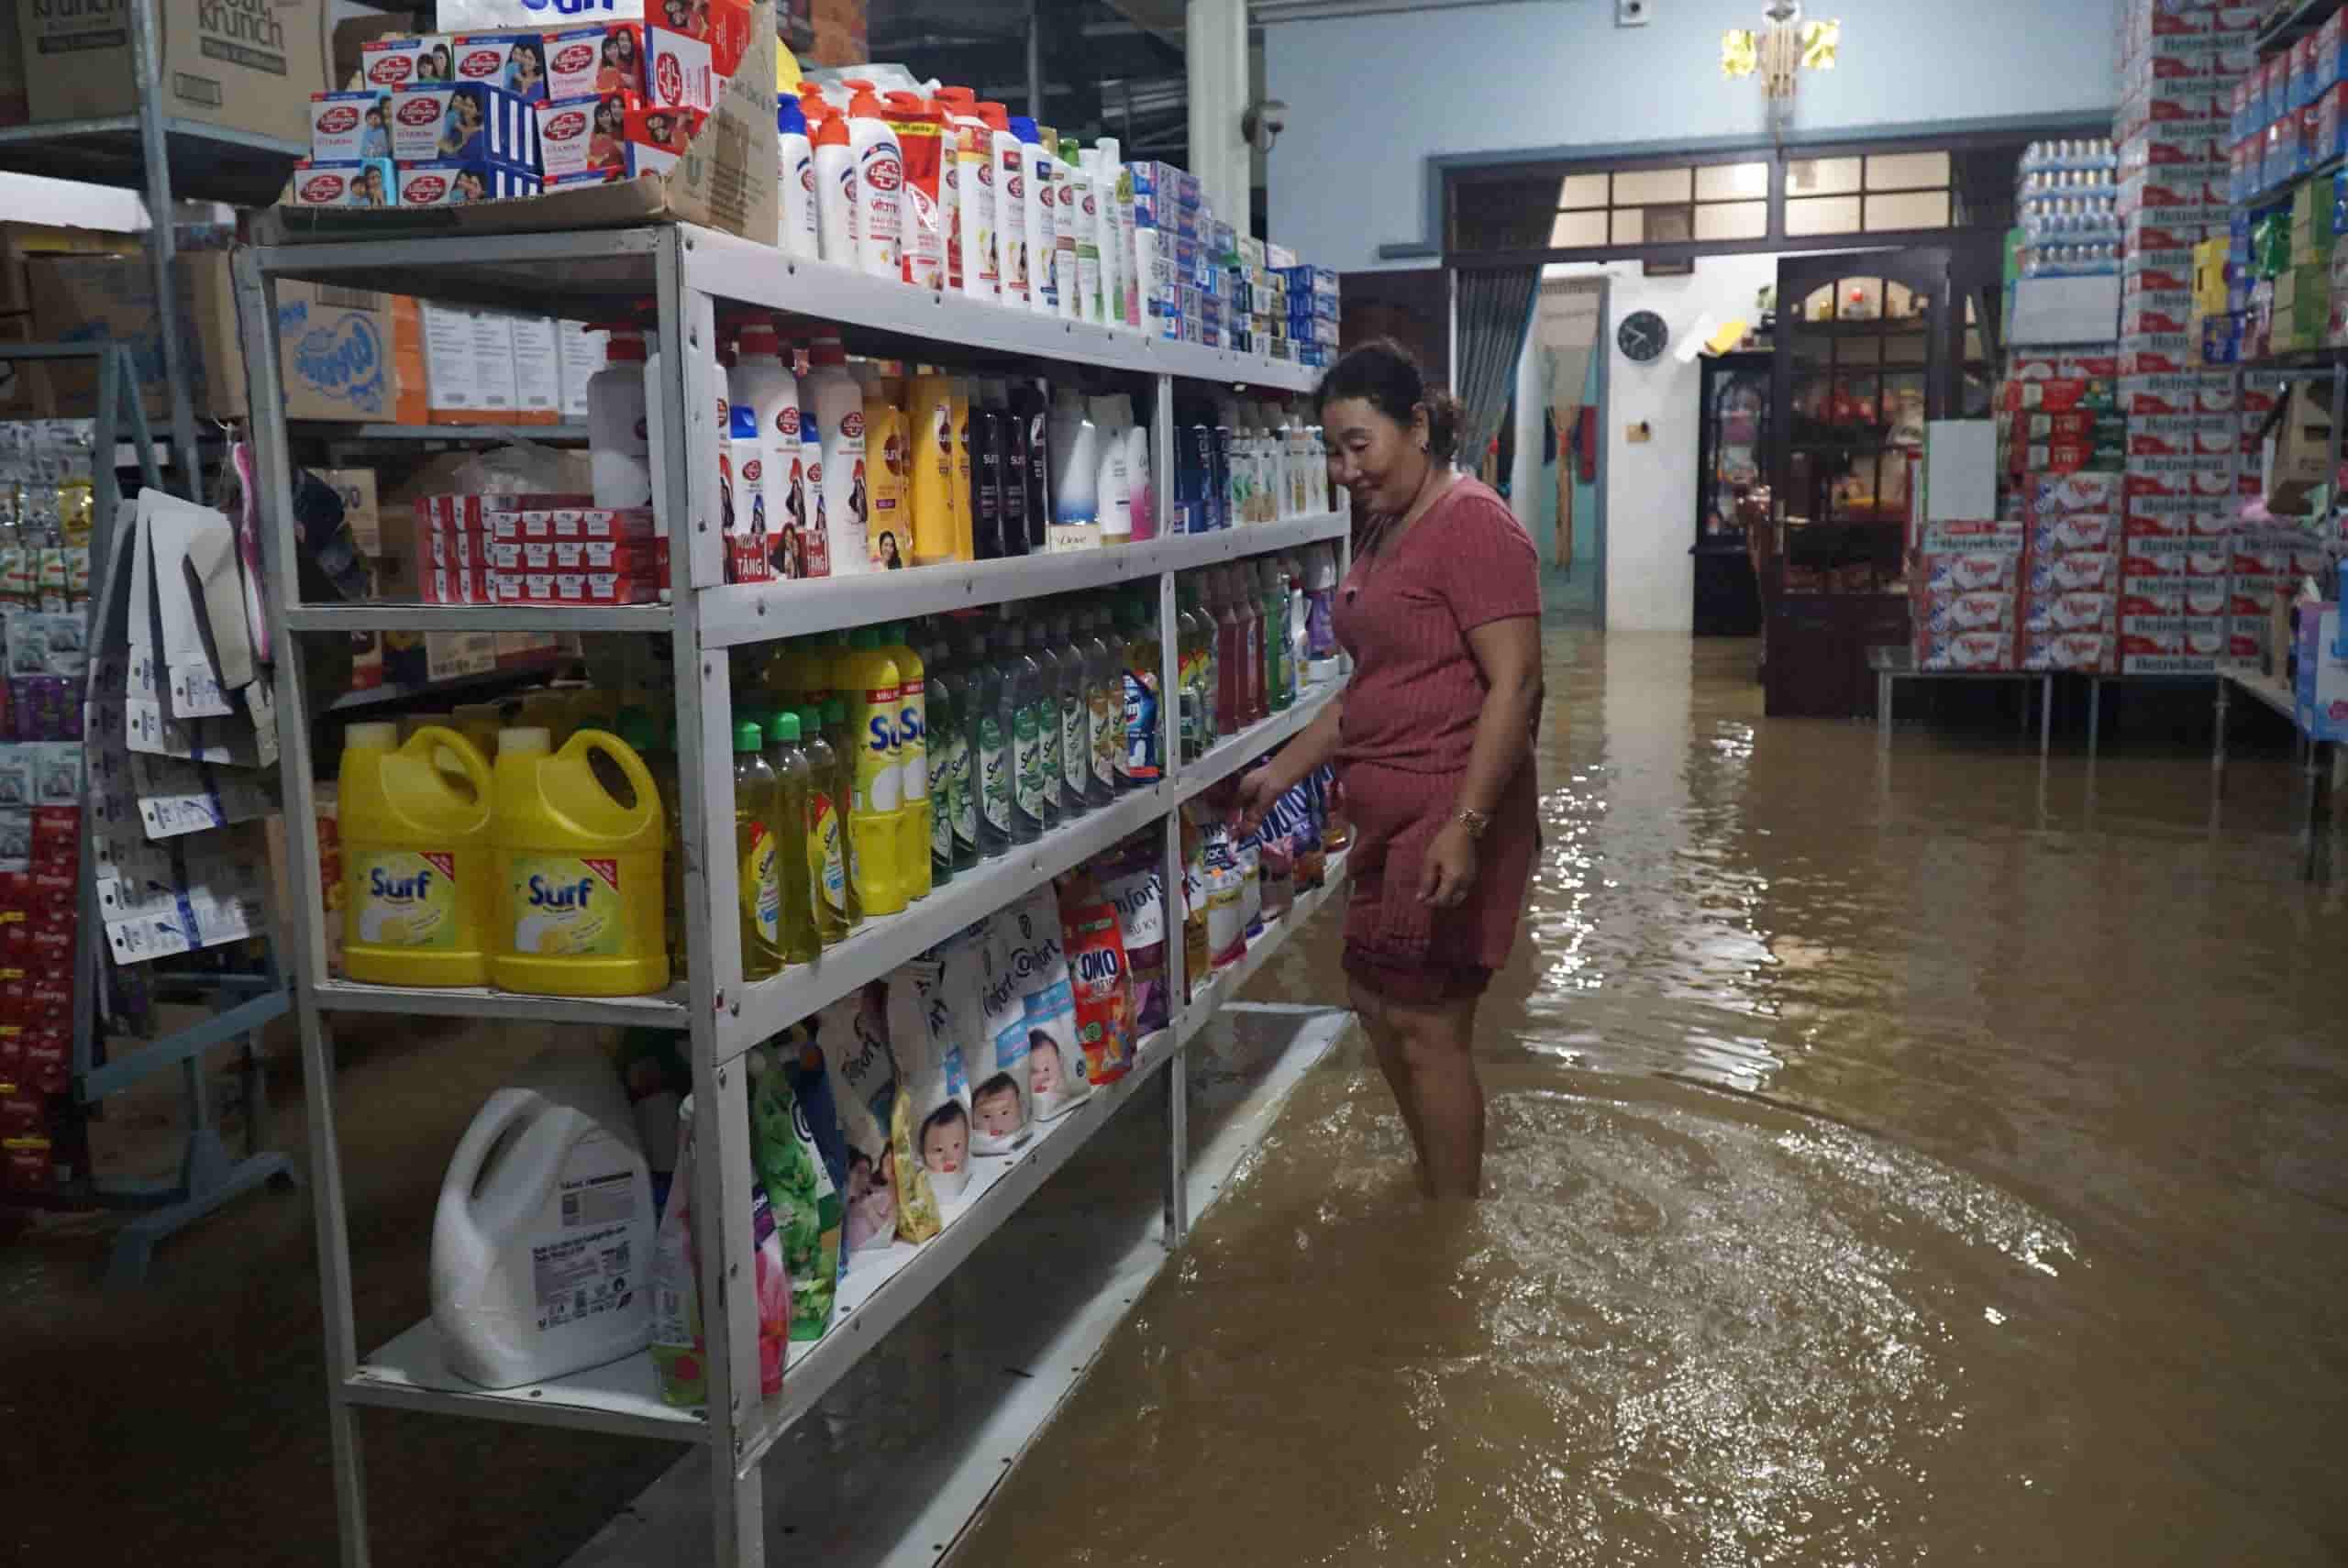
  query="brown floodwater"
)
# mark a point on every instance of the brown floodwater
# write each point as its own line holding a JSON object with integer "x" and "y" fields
{"x": 1895, "y": 1158}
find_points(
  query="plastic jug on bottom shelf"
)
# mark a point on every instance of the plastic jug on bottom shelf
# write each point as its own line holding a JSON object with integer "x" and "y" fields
{"x": 418, "y": 905}
{"x": 544, "y": 1230}
{"x": 580, "y": 909}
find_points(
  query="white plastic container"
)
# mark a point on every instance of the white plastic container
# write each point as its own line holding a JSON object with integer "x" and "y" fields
{"x": 837, "y": 202}
{"x": 836, "y": 400}
{"x": 1075, "y": 454}
{"x": 761, "y": 382}
{"x": 1008, "y": 155}
{"x": 1043, "y": 220}
{"x": 973, "y": 193}
{"x": 1106, "y": 171}
{"x": 880, "y": 188}
{"x": 1112, "y": 485}
{"x": 796, "y": 228}
{"x": 542, "y": 1242}
{"x": 619, "y": 450}
{"x": 1068, "y": 215}
{"x": 1142, "y": 498}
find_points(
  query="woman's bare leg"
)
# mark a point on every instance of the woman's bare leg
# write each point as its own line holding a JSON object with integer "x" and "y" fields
{"x": 1427, "y": 1053}
{"x": 1386, "y": 1040}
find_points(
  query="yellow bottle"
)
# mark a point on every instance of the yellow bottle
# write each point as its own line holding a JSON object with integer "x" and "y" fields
{"x": 757, "y": 853}
{"x": 828, "y": 883}
{"x": 418, "y": 900}
{"x": 913, "y": 761}
{"x": 888, "y": 445}
{"x": 835, "y": 735}
{"x": 867, "y": 678}
{"x": 656, "y": 744}
{"x": 580, "y": 905}
{"x": 958, "y": 404}
{"x": 936, "y": 496}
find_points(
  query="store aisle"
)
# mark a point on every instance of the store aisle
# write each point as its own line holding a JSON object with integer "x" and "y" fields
{"x": 1892, "y": 1164}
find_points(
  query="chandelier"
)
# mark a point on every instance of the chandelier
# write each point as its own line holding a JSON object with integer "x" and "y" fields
{"x": 1779, "y": 51}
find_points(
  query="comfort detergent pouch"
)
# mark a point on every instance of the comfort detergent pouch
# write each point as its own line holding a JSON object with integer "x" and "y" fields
{"x": 418, "y": 898}
{"x": 578, "y": 870}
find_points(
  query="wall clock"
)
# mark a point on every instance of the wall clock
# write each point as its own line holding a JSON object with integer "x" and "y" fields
{"x": 1642, "y": 337}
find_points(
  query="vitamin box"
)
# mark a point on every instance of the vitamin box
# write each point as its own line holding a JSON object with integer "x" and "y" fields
{"x": 350, "y": 125}
{"x": 581, "y": 61}
{"x": 346, "y": 182}
{"x": 450, "y": 182}
{"x": 576, "y": 134}
{"x": 389, "y": 63}
{"x": 468, "y": 120}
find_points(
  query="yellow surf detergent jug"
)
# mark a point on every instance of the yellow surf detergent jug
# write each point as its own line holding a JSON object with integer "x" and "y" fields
{"x": 656, "y": 742}
{"x": 867, "y": 678}
{"x": 913, "y": 761}
{"x": 479, "y": 723}
{"x": 579, "y": 903}
{"x": 418, "y": 895}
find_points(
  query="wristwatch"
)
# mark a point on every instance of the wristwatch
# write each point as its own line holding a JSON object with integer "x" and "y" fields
{"x": 1474, "y": 821}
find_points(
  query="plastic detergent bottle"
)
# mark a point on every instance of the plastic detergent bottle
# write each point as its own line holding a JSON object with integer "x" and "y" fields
{"x": 756, "y": 852}
{"x": 619, "y": 447}
{"x": 1144, "y": 753}
{"x": 1104, "y": 717}
{"x": 580, "y": 906}
{"x": 1272, "y": 590}
{"x": 913, "y": 760}
{"x": 544, "y": 1229}
{"x": 1023, "y": 696}
{"x": 799, "y": 928}
{"x": 990, "y": 728}
{"x": 1231, "y": 684}
{"x": 1320, "y": 604}
{"x": 417, "y": 901}
{"x": 795, "y": 225}
{"x": 1075, "y": 756}
{"x": 1047, "y": 664}
{"x": 836, "y": 202}
{"x": 942, "y": 730}
{"x": 929, "y": 416}
{"x": 832, "y": 396}
{"x": 843, "y": 754}
{"x": 1190, "y": 667}
{"x": 651, "y": 741}
{"x": 827, "y": 881}
{"x": 869, "y": 684}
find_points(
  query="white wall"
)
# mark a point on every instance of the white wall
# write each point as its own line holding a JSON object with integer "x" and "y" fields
{"x": 1651, "y": 485}
{"x": 1371, "y": 98}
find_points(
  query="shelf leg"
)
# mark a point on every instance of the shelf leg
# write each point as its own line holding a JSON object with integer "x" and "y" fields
{"x": 1884, "y": 686}
{"x": 1177, "y": 1100}
{"x": 2045, "y": 716}
{"x": 161, "y": 249}
{"x": 2223, "y": 700}
{"x": 2094, "y": 718}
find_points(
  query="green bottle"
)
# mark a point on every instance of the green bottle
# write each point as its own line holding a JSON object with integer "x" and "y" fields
{"x": 806, "y": 917}
{"x": 755, "y": 802}
{"x": 989, "y": 733}
{"x": 634, "y": 726}
{"x": 835, "y": 734}
{"x": 946, "y": 738}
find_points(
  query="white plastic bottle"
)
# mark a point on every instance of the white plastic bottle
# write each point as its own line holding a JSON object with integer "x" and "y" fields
{"x": 1085, "y": 202}
{"x": 1131, "y": 264}
{"x": 1008, "y": 155}
{"x": 880, "y": 188}
{"x": 1075, "y": 463}
{"x": 1107, "y": 172}
{"x": 835, "y": 399}
{"x": 1068, "y": 198}
{"x": 1113, "y": 485}
{"x": 619, "y": 452}
{"x": 974, "y": 200}
{"x": 836, "y": 201}
{"x": 1145, "y": 500}
{"x": 544, "y": 1230}
{"x": 796, "y": 229}
{"x": 762, "y": 382}
{"x": 1043, "y": 214}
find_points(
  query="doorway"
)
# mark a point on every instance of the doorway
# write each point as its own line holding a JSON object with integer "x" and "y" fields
{"x": 1559, "y": 488}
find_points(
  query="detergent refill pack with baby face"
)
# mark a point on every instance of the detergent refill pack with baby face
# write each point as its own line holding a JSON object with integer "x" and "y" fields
{"x": 580, "y": 896}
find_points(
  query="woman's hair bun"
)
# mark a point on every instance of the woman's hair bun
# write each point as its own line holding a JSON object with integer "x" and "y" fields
{"x": 1444, "y": 415}
{"x": 1382, "y": 372}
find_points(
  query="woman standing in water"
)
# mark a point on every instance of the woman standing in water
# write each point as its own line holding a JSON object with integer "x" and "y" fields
{"x": 1432, "y": 740}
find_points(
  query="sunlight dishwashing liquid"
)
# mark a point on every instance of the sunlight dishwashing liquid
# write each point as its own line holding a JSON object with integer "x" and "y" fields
{"x": 913, "y": 761}
{"x": 827, "y": 881}
{"x": 798, "y": 932}
{"x": 757, "y": 854}
{"x": 416, "y": 903}
{"x": 870, "y": 682}
{"x": 579, "y": 903}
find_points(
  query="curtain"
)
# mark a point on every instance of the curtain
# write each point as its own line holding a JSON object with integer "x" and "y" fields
{"x": 1494, "y": 312}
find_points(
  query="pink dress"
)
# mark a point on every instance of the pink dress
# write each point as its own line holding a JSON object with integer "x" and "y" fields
{"x": 1410, "y": 721}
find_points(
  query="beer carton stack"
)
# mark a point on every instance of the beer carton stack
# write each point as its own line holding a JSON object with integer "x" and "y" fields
{"x": 2180, "y": 67}
{"x": 2068, "y": 440}
{"x": 1964, "y": 596}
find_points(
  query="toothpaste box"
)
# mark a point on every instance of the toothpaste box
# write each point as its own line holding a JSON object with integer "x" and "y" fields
{"x": 2078, "y": 653}
{"x": 344, "y": 183}
{"x": 455, "y": 182}
{"x": 658, "y": 134}
{"x": 350, "y": 125}
{"x": 576, "y": 134}
{"x": 1964, "y": 650}
{"x": 390, "y": 62}
{"x": 515, "y": 61}
{"x": 598, "y": 60}
{"x": 462, "y": 120}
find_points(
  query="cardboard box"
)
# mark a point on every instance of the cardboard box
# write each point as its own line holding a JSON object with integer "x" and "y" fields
{"x": 247, "y": 65}
{"x": 2297, "y": 455}
{"x": 331, "y": 351}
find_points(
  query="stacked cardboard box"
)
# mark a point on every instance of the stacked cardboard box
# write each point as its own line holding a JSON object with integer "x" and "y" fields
{"x": 1964, "y": 596}
{"x": 2190, "y": 86}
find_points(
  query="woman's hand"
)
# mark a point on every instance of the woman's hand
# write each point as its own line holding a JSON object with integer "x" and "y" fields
{"x": 1449, "y": 869}
{"x": 1253, "y": 797}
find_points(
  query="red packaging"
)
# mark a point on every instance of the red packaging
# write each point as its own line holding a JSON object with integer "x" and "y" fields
{"x": 1096, "y": 974}
{"x": 921, "y": 140}
{"x": 633, "y": 558}
{"x": 26, "y": 1164}
{"x": 599, "y": 523}
{"x": 597, "y": 60}
{"x": 48, "y": 1059}
{"x": 658, "y": 134}
{"x": 22, "y": 1114}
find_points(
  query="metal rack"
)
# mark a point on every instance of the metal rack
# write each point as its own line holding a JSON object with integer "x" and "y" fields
{"x": 241, "y": 1004}
{"x": 686, "y": 275}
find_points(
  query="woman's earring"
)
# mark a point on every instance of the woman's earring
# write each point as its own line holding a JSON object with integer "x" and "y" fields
{"x": 1422, "y": 443}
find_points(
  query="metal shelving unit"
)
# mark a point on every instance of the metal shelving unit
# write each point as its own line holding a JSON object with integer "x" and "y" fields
{"x": 688, "y": 276}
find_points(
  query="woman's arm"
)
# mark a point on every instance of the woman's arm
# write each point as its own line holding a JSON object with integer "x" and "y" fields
{"x": 1291, "y": 765}
{"x": 1508, "y": 654}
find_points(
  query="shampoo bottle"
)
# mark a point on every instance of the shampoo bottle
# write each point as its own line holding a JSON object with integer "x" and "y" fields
{"x": 1042, "y": 214}
{"x": 619, "y": 452}
{"x": 1011, "y": 205}
{"x": 837, "y": 402}
{"x": 888, "y": 468}
{"x": 796, "y": 230}
{"x": 1028, "y": 412}
{"x": 880, "y": 187}
{"x": 836, "y": 199}
{"x": 1076, "y": 513}
{"x": 1114, "y": 481}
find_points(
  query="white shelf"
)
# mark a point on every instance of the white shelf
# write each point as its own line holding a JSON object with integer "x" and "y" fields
{"x": 1226, "y": 982}
{"x": 1227, "y": 756}
{"x": 388, "y": 617}
{"x": 663, "y": 1010}
{"x": 757, "y": 612}
{"x": 622, "y": 1396}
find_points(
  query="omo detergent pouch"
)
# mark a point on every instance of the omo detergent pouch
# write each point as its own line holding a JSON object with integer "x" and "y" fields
{"x": 784, "y": 1156}
{"x": 983, "y": 986}
{"x": 1101, "y": 985}
{"x": 1057, "y": 1075}
{"x": 853, "y": 1034}
{"x": 929, "y": 1126}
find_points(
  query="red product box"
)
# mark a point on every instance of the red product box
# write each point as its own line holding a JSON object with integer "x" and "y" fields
{"x": 456, "y": 585}
{"x": 2064, "y": 532}
{"x": 658, "y": 134}
{"x": 48, "y": 1057}
{"x": 27, "y": 1164}
{"x": 1942, "y": 611}
{"x": 2056, "y": 396}
{"x": 479, "y": 511}
{"x": 2073, "y": 571}
{"x": 458, "y": 547}
{"x": 1962, "y": 571}
{"x": 23, "y": 1113}
{"x": 638, "y": 558}
{"x": 600, "y": 522}
{"x": 605, "y": 588}
{"x": 2051, "y": 496}
{"x": 595, "y": 60}
{"x": 2077, "y": 424}
{"x": 511, "y": 526}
